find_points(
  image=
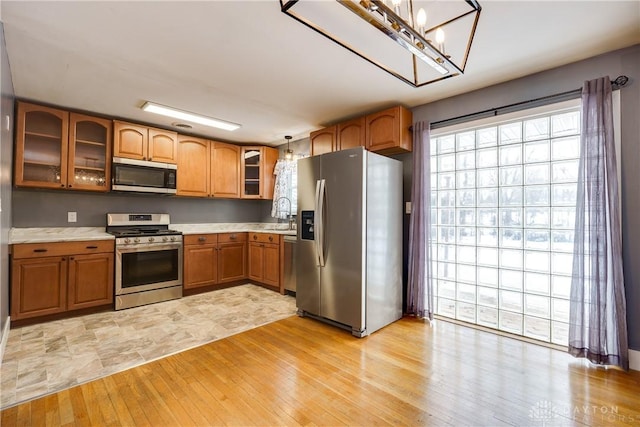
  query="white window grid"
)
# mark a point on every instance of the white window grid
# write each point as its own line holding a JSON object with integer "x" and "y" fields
{"x": 503, "y": 208}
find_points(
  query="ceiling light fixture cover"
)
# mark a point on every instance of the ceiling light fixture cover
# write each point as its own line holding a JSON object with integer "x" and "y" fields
{"x": 189, "y": 117}
{"x": 436, "y": 36}
{"x": 288, "y": 155}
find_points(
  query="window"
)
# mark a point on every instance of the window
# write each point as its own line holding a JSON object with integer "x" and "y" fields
{"x": 503, "y": 211}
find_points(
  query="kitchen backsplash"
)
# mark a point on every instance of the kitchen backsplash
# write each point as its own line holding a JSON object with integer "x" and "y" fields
{"x": 41, "y": 208}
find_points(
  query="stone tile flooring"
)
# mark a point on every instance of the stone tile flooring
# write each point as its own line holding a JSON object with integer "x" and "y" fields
{"x": 49, "y": 357}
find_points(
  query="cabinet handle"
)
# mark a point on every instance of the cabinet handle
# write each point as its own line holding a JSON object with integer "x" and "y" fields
{"x": 92, "y": 247}
{"x": 144, "y": 158}
{"x": 202, "y": 239}
{"x": 255, "y": 237}
{"x": 70, "y": 185}
{"x": 271, "y": 238}
{"x": 150, "y": 158}
{"x": 40, "y": 250}
{"x": 72, "y": 258}
{"x": 64, "y": 259}
{"x": 62, "y": 185}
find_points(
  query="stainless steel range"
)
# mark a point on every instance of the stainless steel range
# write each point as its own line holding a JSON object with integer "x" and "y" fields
{"x": 148, "y": 259}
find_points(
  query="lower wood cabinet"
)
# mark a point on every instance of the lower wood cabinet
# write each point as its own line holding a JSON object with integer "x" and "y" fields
{"x": 52, "y": 278}
{"x": 264, "y": 258}
{"x": 211, "y": 259}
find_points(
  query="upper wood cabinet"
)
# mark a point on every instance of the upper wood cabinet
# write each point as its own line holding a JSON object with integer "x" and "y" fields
{"x": 194, "y": 165}
{"x": 58, "y": 149}
{"x": 207, "y": 168}
{"x": 351, "y": 134}
{"x": 140, "y": 142}
{"x": 225, "y": 170}
{"x": 323, "y": 140}
{"x": 257, "y": 167}
{"x": 388, "y": 131}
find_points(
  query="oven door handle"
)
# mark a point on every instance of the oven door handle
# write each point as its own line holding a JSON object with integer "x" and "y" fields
{"x": 149, "y": 248}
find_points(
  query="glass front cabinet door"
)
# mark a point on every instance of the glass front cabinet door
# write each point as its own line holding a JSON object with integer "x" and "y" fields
{"x": 58, "y": 149}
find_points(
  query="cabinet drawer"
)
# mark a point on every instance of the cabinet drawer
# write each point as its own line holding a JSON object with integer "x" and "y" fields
{"x": 200, "y": 239}
{"x": 264, "y": 237}
{"x": 232, "y": 237}
{"x": 36, "y": 250}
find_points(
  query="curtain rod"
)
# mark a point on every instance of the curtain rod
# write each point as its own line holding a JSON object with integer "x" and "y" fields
{"x": 616, "y": 84}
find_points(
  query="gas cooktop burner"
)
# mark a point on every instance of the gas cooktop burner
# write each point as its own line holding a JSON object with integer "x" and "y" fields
{"x": 139, "y": 225}
{"x": 141, "y": 232}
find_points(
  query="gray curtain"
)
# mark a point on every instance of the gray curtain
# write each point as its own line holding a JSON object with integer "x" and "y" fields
{"x": 420, "y": 286}
{"x": 598, "y": 327}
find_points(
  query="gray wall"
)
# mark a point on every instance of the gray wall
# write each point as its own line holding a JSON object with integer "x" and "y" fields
{"x": 6, "y": 156}
{"x": 562, "y": 79}
{"x": 41, "y": 208}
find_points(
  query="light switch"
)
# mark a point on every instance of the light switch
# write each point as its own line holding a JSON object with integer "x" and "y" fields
{"x": 72, "y": 216}
{"x": 407, "y": 207}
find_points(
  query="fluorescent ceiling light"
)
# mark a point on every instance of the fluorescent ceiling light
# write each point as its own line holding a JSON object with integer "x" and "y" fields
{"x": 189, "y": 117}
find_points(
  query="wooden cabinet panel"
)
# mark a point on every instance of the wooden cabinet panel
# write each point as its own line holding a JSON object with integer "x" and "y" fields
{"x": 90, "y": 280}
{"x": 50, "y": 278}
{"x": 232, "y": 264}
{"x": 323, "y": 141}
{"x": 271, "y": 272}
{"x": 257, "y": 167}
{"x": 41, "y": 146}
{"x": 89, "y": 161}
{"x": 351, "y": 134}
{"x": 163, "y": 146}
{"x": 387, "y": 131}
{"x": 225, "y": 170}
{"x": 194, "y": 174}
{"x": 264, "y": 258}
{"x": 200, "y": 266}
{"x": 139, "y": 142}
{"x": 130, "y": 140}
{"x": 38, "y": 287}
{"x": 39, "y": 250}
{"x": 256, "y": 261}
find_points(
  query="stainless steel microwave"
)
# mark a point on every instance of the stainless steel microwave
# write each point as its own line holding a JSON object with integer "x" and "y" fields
{"x": 143, "y": 176}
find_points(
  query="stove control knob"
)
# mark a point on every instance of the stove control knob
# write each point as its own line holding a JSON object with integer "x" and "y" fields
{"x": 136, "y": 240}
{"x": 127, "y": 240}
{"x": 151, "y": 239}
{"x": 165, "y": 238}
{"x": 173, "y": 238}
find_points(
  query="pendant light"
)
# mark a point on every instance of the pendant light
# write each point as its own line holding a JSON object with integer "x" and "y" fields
{"x": 288, "y": 155}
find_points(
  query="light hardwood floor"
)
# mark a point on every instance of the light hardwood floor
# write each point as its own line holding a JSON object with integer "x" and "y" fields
{"x": 298, "y": 371}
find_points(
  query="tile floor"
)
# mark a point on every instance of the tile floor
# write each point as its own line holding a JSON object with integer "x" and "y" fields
{"x": 49, "y": 357}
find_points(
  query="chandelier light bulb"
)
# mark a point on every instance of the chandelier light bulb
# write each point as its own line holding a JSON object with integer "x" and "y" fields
{"x": 421, "y": 20}
{"x": 439, "y": 36}
{"x": 396, "y": 6}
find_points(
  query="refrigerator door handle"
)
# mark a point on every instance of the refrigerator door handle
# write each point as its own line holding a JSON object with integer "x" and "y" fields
{"x": 318, "y": 226}
{"x": 321, "y": 208}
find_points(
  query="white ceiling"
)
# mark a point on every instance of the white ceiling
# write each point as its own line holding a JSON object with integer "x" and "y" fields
{"x": 247, "y": 62}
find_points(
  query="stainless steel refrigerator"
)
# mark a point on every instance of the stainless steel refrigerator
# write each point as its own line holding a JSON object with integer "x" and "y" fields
{"x": 349, "y": 257}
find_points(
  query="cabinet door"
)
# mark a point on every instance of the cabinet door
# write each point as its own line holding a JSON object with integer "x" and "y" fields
{"x": 232, "y": 264}
{"x": 130, "y": 140}
{"x": 200, "y": 266}
{"x": 89, "y": 166}
{"x": 271, "y": 268}
{"x": 351, "y": 134}
{"x": 256, "y": 261}
{"x": 90, "y": 280}
{"x": 251, "y": 158}
{"x": 163, "y": 146}
{"x": 387, "y": 131}
{"x": 269, "y": 160}
{"x": 38, "y": 287}
{"x": 225, "y": 170}
{"x": 41, "y": 146}
{"x": 193, "y": 176}
{"x": 323, "y": 141}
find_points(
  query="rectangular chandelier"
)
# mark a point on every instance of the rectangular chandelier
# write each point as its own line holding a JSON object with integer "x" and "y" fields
{"x": 435, "y": 36}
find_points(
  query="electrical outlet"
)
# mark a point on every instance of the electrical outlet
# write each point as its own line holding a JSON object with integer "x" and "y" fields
{"x": 72, "y": 216}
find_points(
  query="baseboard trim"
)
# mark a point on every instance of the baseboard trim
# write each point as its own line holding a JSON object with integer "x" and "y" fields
{"x": 634, "y": 360}
{"x": 5, "y": 338}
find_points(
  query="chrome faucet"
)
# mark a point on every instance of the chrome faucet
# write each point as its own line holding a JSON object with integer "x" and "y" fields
{"x": 289, "y": 216}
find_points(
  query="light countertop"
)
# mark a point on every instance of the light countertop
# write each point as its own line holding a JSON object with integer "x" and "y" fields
{"x": 70, "y": 234}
